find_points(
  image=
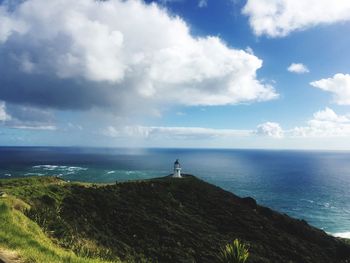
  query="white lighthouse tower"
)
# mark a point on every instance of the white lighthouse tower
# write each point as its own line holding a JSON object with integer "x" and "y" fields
{"x": 177, "y": 169}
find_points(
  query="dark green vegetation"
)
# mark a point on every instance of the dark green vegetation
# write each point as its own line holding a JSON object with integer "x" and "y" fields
{"x": 167, "y": 220}
{"x": 21, "y": 235}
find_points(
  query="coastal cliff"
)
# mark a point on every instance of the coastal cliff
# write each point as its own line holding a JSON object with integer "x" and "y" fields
{"x": 162, "y": 220}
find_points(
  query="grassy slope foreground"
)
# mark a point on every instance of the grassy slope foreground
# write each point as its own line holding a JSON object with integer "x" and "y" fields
{"x": 21, "y": 235}
{"x": 159, "y": 220}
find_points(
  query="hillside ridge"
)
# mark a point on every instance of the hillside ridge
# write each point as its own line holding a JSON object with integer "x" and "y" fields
{"x": 167, "y": 220}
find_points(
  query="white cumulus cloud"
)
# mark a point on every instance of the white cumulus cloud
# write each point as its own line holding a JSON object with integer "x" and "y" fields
{"x": 339, "y": 85}
{"x": 298, "y": 68}
{"x": 270, "y": 129}
{"x": 117, "y": 55}
{"x": 325, "y": 123}
{"x": 4, "y": 116}
{"x": 329, "y": 115}
{"x": 278, "y": 18}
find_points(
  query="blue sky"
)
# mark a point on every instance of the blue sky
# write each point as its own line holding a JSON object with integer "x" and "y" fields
{"x": 175, "y": 73}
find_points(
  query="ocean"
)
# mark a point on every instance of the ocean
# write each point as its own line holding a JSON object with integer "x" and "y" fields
{"x": 309, "y": 185}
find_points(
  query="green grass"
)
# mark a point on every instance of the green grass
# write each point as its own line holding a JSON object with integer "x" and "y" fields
{"x": 20, "y": 234}
{"x": 32, "y": 188}
{"x": 234, "y": 252}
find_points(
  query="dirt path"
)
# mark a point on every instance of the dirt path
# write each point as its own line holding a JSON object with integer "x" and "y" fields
{"x": 7, "y": 256}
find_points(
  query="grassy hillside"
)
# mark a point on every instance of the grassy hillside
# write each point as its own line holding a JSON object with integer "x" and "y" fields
{"x": 20, "y": 234}
{"x": 162, "y": 220}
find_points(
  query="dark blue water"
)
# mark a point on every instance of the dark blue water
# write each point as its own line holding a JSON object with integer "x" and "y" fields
{"x": 309, "y": 185}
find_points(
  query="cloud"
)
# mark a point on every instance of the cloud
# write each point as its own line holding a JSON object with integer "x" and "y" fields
{"x": 278, "y": 18}
{"x": 202, "y": 3}
{"x": 325, "y": 123}
{"x": 339, "y": 85}
{"x": 329, "y": 115}
{"x": 4, "y": 116}
{"x": 298, "y": 68}
{"x": 36, "y": 127}
{"x": 270, "y": 129}
{"x": 120, "y": 56}
{"x": 23, "y": 117}
{"x": 173, "y": 132}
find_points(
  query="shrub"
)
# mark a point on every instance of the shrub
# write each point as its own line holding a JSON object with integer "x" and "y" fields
{"x": 234, "y": 252}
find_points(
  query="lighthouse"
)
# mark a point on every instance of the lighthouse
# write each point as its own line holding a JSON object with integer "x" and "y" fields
{"x": 177, "y": 169}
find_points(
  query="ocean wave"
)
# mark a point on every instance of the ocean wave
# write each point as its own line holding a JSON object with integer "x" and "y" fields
{"x": 31, "y": 174}
{"x": 320, "y": 204}
{"x": 76, "y": 168}
{"x": 341, "y": 234}
{"x": 131, "y": 172}
{"x": 60, "y": 168}
{"x": 307, "y": 200}
{"x": 110, "y": 172}
{"x": 45, "y": 167}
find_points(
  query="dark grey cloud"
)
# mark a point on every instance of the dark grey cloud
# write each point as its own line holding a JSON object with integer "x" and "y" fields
{"x": 27, "y": 117}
